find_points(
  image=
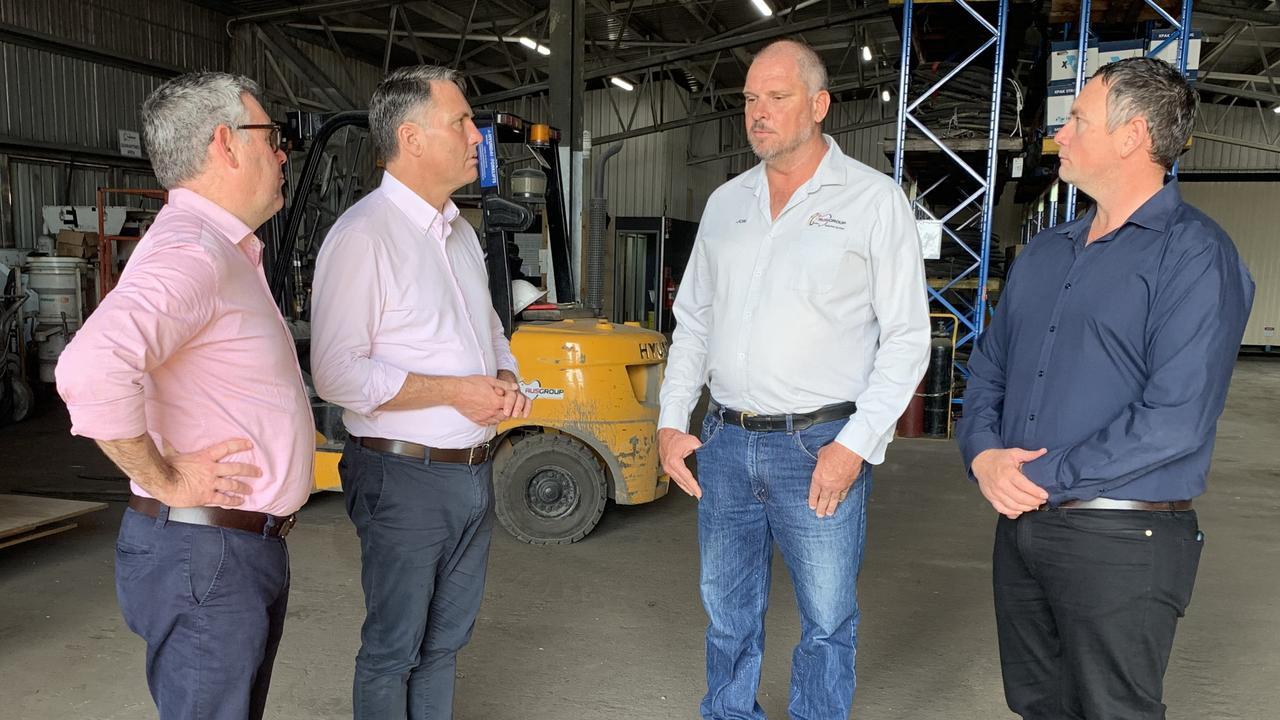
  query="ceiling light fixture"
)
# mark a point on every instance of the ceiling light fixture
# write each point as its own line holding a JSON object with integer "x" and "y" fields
{"x": 763, "y": 7}
{"x": 544, "y": 50}
{"x": 619, "y": 82}
{"x": 866, "y": 53}
{"x": 884, "y": 95}
{"x": 529, "y": 43}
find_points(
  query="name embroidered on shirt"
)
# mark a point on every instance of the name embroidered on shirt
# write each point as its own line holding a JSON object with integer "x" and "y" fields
{"x": 826, "y": 220}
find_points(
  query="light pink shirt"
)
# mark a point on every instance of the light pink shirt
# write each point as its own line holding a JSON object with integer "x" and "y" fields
{"x": 191, "y": 348}
{"x": 401, "y": 288}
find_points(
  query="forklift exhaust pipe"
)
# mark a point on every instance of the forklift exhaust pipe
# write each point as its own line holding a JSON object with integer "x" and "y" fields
{"x": 597, "y": 225}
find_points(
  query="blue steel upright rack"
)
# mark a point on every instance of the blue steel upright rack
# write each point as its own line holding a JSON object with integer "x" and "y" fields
{"x": 1181, "y": 33}
{"x": 971, "y": 316}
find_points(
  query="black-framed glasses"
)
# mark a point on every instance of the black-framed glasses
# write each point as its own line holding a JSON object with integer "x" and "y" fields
{"x": 274, "y": 139}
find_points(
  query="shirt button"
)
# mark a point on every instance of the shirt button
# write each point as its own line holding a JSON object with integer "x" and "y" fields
{"x": 1052, "y": 328}
{"x": 1068, "y": 286}
{"x": 1040, "y": 374}
{"x": 1033, "y": 418}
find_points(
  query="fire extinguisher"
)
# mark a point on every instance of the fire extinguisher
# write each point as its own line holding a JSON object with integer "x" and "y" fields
{"x": 669, "y": 287}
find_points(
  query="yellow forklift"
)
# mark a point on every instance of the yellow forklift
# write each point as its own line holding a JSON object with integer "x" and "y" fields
{"x": 592, "y": 435}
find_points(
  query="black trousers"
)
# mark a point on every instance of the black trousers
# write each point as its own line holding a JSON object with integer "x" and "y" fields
{"x": 1087, "y": 602}
{"x": 424, "y": 533}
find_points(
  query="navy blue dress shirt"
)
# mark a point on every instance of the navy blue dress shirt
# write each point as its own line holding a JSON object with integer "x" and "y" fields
{"x": 1114, "y": 356}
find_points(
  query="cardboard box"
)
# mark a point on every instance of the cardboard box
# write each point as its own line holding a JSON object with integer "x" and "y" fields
{"x": 1062, "y": 60}
{"x": 1170, "y": 52}
{"x": 1109, "y": 52}
{"x": 1057, "y": 105}
{"x": 73, "y": 243}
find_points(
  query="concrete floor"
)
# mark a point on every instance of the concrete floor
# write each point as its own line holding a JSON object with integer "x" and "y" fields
{"x": 612, "y": 627}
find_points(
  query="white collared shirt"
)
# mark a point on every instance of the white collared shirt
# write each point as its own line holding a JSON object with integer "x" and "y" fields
{"x": 402, "y": 288}
{"x": 823, "y": 305}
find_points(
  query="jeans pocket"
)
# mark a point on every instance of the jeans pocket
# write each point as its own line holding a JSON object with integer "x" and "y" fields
{"x": 712, "y": 424}
{"x": 812, "y": 439}
{"x": 1119, "y": 524}
{"x": 206, "y": 559}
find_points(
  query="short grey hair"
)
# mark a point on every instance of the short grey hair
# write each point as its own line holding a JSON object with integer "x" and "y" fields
{"x": 404, "y": 92}
{"x": 811, "y": 67}
{"x": 1155, "y": 90}
{"x": 180, "y": 117}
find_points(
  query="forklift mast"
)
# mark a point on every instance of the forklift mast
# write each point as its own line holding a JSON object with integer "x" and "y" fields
{"x": 500, "y": 217}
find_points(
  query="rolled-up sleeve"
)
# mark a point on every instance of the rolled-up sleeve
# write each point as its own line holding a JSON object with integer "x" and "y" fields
{"x": 901, "y": 308}
{"x": 346, "y": 311}
{"x": 165, "y": 299}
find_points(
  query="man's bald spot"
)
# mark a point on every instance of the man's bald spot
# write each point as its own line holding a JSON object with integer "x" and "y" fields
{"x": 807, "y": 61}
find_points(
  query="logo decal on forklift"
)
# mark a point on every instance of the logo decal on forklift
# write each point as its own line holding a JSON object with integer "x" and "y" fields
{"x": 534, "y": 391}
{"x": 656, "y": 351}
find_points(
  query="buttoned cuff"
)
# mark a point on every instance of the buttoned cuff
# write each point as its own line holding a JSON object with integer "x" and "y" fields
{"x": 972, "y": 447}
{"x": 674, "y": 416}
{"x": 859, "y": 437}
{"x": 108, "y": 420}
{"x": 1045, "y": 471}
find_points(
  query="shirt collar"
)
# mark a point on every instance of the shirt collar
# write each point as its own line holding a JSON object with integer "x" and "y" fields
{"x": 419, "y": 211}
{"x": 1153, "y": 214}
{"x": 831, "y": 170}
{"x": 219, "y": 218}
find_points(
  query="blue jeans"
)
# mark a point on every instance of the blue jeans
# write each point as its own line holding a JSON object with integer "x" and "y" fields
{"x": 424, "y": 542}
{"x": 210, "y": 602}
{"x": 755, "y": 491}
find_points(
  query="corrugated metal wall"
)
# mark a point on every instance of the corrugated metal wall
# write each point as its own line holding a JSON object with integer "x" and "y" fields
{"x": 68, "y": 102}
{"x": 1250, "y": 213}
{"x": 649, "y": 176}
{"x": 1237, "y": 122}
{"x": 171, "y": 32}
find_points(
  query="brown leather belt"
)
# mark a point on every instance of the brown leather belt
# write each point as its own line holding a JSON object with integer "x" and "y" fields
{"x": 779, "y": 423}
{"x": 1109, "y": 504}
{"x": 464, "y": 456}
{"x": 255, "y": 522}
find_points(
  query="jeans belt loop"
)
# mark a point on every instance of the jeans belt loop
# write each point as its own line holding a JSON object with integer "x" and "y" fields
{"x": 162, "y": 517}
{"x": 790, "y": 423}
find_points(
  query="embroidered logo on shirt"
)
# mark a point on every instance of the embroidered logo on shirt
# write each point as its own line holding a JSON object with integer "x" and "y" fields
{"x": 743, "y": 221}
{"x": 826, "y": 220}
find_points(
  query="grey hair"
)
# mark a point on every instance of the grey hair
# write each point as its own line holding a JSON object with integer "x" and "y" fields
{"x": 811, "y": 67}
{"x": 180, "y": 117}
{"x": 1155, "y": 90}
{"x": 401, "y": 94}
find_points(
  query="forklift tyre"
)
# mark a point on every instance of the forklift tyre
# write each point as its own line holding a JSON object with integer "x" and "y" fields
{"x": 550, "y": 490}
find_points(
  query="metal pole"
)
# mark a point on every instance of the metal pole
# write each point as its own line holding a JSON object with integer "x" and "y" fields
{"x": 904, "y": 76}
{"x": 988, "y": 202}
{"x": 1082, "y": 48}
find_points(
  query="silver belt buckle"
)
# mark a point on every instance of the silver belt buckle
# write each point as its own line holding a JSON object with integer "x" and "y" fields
{"x": 288, "y": 524}
{"x": 471, "y": 454}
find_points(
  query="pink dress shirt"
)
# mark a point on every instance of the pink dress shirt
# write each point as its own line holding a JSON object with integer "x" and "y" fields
{"x": 401, "y": 288}
{"x": 190, "y": 348}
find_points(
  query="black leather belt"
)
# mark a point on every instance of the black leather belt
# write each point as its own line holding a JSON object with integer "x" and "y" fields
{"x": 257, "y": 523}
{"x": 1109, "y": 504}
{"x": 786, "y": 423}
{"x": 464, "y": 456}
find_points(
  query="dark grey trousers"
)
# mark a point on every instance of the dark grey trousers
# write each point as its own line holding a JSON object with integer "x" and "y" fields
{"x": 424, "y": 541}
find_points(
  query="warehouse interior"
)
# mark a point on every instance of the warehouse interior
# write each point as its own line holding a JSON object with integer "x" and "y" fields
{"x": 597, "y": 614}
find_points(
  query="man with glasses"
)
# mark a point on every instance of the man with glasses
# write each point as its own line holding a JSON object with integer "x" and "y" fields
{"x": 187, "y": 378}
